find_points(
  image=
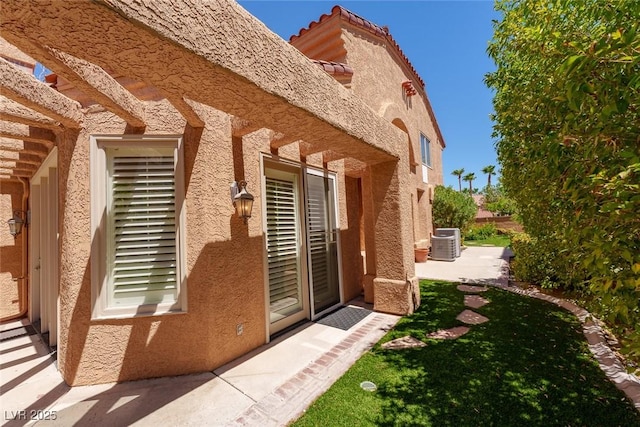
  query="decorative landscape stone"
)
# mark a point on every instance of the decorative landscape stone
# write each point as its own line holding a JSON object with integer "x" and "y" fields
{"x": 471, "y": 318}
{"x": 472, "y": 289}
{"x": 475, "y": 301}
{"x": 449, "y": 334}
{"x": 402, "y": 343}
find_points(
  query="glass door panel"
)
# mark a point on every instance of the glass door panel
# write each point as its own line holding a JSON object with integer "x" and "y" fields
{"x": 322, "y": 238}
{"x": 287, "y": 298}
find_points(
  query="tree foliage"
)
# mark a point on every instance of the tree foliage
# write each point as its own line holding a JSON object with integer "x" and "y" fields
{"x": 458, "y": 173}
{"x": 567, "y": 120}
{"x": 453, "y": 209}
{"x": 496, "y": 201}
{"x": 469, "y": 178}
{"x": 489, "y": 170}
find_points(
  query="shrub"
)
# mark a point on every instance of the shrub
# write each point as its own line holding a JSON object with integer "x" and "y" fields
{"x": 481, "y": 232}
{"x": 507, "y": 232}
{"x": 531, "y": 263}
{"x": 453, "y": 209}
{"x": 504, "y": 206}
{"x": 496, "y": 202}
{"x": 567, "y": 120}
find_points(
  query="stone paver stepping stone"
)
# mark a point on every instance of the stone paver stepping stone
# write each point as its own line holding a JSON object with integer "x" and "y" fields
{"x": 402, "y": 343}
{"x": 472, "y": 289}
{"x": 475, "y": 301}
{"x": 471, "y": 318}
{"x": 449, "y": 334}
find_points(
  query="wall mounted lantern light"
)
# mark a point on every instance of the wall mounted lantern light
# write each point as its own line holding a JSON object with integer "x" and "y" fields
{"x": 242, "y": 200}
{"x": 16, "y": 223}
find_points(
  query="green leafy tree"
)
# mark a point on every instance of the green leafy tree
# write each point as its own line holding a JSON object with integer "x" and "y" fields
{"x": 489, "y": 170}
{"x": 567, "y": 120}
{"x": 453, "y": 209}
{"x": 458, "y": 173}
{"x": 469, "y": 178}
{"x": 494, "y": 200}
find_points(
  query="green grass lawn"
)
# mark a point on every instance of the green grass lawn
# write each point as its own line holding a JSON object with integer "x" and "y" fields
{"x": 497, "y": 240}
{"x": 529, "y": 365}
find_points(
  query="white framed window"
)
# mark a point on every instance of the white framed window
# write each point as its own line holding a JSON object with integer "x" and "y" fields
{"x": 138, "y": 225}
{"x": 425, "y": 150}
{"x": 425, "y": 154}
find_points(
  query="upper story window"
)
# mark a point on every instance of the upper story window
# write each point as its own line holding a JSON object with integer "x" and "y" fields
{"x": 425, "y": 150}
{"x": 137, "y": 199}
{"x": 425, "y": 153}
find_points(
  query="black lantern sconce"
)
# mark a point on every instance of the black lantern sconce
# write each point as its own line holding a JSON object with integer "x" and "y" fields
{"x": 242, "y": 200}
{"x": 16, "y": 223}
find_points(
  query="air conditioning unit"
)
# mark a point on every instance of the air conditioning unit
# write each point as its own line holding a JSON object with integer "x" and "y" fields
{"x": 443, "y": 248}
{"x": 451, "y": 232}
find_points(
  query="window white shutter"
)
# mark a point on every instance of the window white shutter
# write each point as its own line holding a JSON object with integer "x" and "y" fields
{"x": 282, "y": 243}
{"x": 142, "y": 216}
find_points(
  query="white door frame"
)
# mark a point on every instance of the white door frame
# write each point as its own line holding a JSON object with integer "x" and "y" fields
{"x": 336, "y": 212}
{"x": 43, "y": 247}
{"x": 272, "y": 162}
{"x": 295, "y": 171}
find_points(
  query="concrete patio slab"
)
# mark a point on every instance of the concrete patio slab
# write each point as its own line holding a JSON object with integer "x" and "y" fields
{"x": 261, "y": 371}
{"x": 476, "y": 265}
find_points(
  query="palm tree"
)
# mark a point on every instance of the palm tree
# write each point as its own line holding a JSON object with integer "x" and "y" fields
{"x": 469, "y": 178}
{"x": 458, "y": 173}
{"x": 489, "y": 170}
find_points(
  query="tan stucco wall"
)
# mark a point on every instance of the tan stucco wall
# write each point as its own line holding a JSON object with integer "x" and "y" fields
{"x": 224, "y": 65}
{"x": 225, "y": 259}
{"x": 16, "y": 56}
{"x": 352, "y": 267}
{"x": 10, "y": 250}
{"x": 224, "y": 264}
{"x": 377, "y": 80}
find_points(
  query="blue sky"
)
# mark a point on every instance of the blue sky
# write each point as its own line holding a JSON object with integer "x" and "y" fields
{"x": 446, "y": 42}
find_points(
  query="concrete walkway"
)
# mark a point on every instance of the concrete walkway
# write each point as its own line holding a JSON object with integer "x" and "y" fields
{"x": 268, "y": 387}
{"x": 476, "y": 265}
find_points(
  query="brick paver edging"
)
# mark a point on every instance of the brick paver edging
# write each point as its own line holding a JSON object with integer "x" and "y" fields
{"x": 289, "y": 401}
{"x": 607, "y": 359}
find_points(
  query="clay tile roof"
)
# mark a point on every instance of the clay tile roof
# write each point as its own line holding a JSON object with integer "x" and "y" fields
{"x": 334, "y": 68}
{"x": 358, "y": 21}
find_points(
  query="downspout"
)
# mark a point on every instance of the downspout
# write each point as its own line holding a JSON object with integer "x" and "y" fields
{"x": 24, "y": 279}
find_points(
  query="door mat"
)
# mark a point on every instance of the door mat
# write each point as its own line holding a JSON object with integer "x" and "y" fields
{"x": 17, "y": 332}
{"x": 344, "y": 318}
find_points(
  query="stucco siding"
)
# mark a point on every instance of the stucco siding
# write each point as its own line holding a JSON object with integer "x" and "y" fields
{"x": 10, "y": 251}
{"x": 377, "y": 79}
{"x": 225, "y": 283}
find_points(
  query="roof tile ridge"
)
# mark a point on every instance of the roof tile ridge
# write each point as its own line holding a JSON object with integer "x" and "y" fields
{"x": 365, "y": 24}
{"x": 333, "y": 67}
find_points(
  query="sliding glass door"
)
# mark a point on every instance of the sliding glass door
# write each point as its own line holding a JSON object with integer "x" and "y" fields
{"x": 302, "y": 245}
{"x": 288, "y": 299}
{"x": 322, "y": 241}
